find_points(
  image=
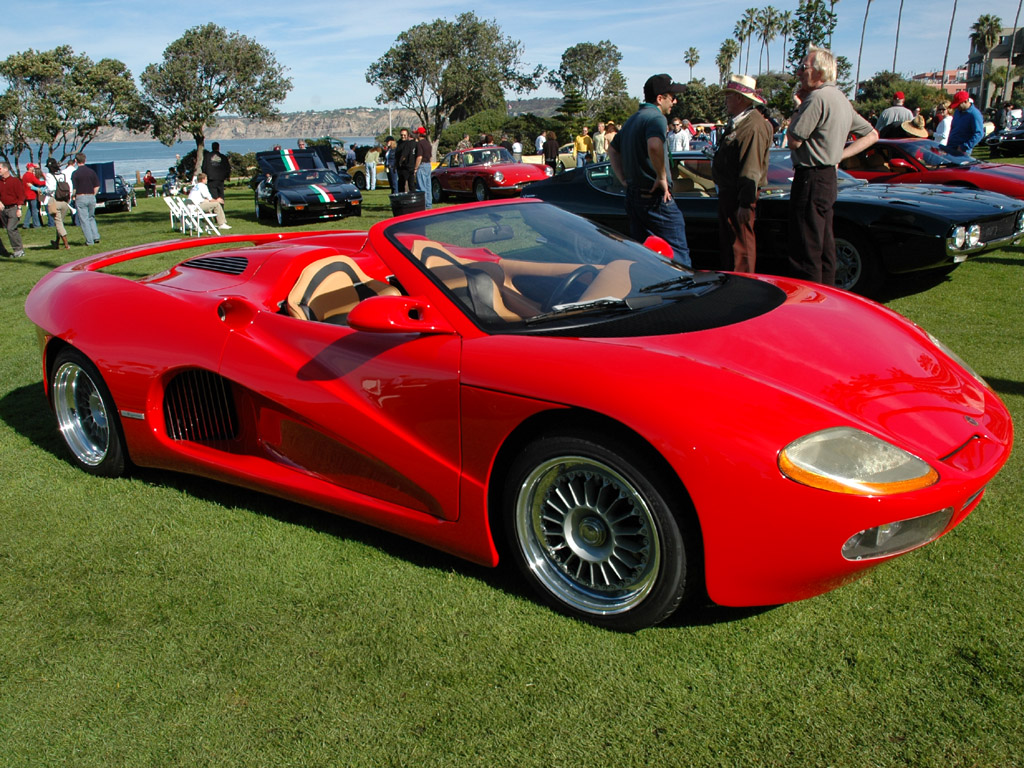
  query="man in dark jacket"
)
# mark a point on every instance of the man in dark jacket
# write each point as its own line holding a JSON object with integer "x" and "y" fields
{"x": 740, "y": 168}
{"x": 406, "y": 163}
{"x": 217, "y": 169}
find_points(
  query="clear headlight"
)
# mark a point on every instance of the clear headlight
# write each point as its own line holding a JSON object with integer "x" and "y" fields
{"x": 894, "y": 538}
{"x": 548, "y": 170}
{"x": 1019, "y": 225}
{"x": 500, "y": 177}
{"x": 973, "y": 235}
{"x": 957, "y": 359}
{"x": 959, "y": 237}
{"x": 847, "y": 460}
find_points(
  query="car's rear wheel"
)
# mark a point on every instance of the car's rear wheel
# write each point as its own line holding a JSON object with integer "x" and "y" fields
{"x": 857, "y": 265}
{"x": 560, "y": 168}
{"x": 593, "y": 533}
{"x": 480, "y": 191}
{"x": 282, "y": 216}
{"x": 86, "y": 415}
{"x": 359, "y": 179}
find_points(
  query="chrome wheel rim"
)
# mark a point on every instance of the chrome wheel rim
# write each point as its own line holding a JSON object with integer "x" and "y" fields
{"x": 81, "y": 414}
{"x": 588, "y": 535}
{"x": 480, "y": 191}
{"x": 849, "y": 264}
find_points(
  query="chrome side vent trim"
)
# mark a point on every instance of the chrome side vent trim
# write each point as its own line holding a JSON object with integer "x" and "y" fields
{"x": 228, "y": 265}
{"x": 199, "y": 406}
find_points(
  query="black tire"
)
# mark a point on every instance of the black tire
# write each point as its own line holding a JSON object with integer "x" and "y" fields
{"x": 87, "y": 418}
{"x": 437, "y": 194}
{"x": 560, "y": 168}
{"x": 282, "y": 216}
{"x": 593, "y": 532}
{"x": 259, "y": 208}
{"x": 480, "y": 190}
{"x": 359, "y": 179}
{"x": 857, "y": 266}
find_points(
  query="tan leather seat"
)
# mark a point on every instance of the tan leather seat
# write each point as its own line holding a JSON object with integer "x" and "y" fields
{"x": 328, "y": 289}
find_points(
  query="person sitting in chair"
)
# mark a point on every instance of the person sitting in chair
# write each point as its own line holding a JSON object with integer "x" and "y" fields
{"x": 200, "y": 195}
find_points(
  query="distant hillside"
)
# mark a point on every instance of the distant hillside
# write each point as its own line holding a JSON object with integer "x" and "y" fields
{"x": 355, "y": 121}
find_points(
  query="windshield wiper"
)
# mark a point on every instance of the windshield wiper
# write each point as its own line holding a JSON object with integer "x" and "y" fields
{"x": 608, "y": 303}
{"x": 685, "y": 281}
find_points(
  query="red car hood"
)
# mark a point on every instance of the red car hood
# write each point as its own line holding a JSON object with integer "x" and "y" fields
{"x": 872, "y": 368}
{"x": 517, "y": 172}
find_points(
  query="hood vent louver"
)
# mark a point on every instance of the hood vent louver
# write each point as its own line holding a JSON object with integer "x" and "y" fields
{"x": 228, "y": 265}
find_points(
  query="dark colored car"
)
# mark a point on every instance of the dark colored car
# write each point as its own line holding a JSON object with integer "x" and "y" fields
{"x": 300, "y": 184}
{"x": 880, "y": 229}
{"x": 1009, "y": 141}
{"x": 115, "y": 193}
{"x": 920, "y": 161}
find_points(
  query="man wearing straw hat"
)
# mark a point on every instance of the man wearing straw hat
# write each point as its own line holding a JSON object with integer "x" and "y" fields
{"x": 740, "y": 168}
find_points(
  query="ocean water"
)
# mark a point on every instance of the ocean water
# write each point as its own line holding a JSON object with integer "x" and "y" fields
{"x": 130, "y": 157}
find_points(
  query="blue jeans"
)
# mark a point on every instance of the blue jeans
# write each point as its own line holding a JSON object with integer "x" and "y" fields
{"x": 650, "y": 215}
{"x": 423, "y": 182}
{"x": 581, "y": 159}
{"x": 31, "y": 219}
{"x": 86, "y": 207}
{"x": 371, "y": 175}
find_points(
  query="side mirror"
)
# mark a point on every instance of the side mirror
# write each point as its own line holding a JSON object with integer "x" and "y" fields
{"x": 659, "y": 245}
{"x": 397, "y": 314}
{"x": 899, "y": 162}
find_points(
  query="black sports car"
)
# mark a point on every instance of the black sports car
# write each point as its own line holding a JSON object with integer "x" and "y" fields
{"x": 115, "y": 193}
{"x": 880, "y": 229}
{"x": 1009, "y": 141}
{"x": 295, "y": 183}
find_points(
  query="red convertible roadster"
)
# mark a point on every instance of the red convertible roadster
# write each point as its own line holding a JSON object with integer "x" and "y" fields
{"x": 510, "y": 378}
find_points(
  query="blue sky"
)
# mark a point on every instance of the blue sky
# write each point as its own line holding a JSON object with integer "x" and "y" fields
{"x": 327, "y": 46}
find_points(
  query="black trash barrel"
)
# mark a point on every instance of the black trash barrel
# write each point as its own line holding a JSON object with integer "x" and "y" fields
{"x": 407, "y": 202}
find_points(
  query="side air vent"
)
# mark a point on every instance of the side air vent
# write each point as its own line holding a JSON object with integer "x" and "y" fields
{"x": 229, "y": 265}
{"x": 199, "y": 407}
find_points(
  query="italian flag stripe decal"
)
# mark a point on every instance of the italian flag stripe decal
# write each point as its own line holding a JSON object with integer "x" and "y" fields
{"x": 289, "y": 160}
{"x": 322, "y": 193}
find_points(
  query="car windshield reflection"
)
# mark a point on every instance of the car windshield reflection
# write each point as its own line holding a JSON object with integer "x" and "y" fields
{"x": 933, "y": 155}
{"x": 519, "y": 265}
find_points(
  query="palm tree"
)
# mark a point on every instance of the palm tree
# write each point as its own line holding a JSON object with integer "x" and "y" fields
{"x": 786, "y": 29}
{"x": 727, "y": 54}
{"x": 949, "y": 37}
{"x": 984, "y": 35}
{"x": 691, "y": 57}
{"x": 1013, "y": 39}
{"x": 899, "y": 21}
{"x": 750, "y": 19}
{"x": 767, "y": 30}
{"x": 860, "y": 51}
{"x": 741, "y": 32}
{"x": 832, "y": 9}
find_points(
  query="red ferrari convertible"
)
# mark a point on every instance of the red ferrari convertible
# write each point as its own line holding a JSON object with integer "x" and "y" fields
{"x": 920, "y": 161}
{"x": 483, "y": 173}
{"x": 510, "y": 378}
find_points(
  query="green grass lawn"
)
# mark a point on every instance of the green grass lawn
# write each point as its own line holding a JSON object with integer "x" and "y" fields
{"x": 165, "y": 620}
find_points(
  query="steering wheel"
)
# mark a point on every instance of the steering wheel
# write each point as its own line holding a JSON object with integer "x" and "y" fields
{"x": 562, "y": 289}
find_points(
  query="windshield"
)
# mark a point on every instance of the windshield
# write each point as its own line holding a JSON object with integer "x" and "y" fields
{"x": 486, "y": 156}
{"x": 305, "y": 178}
{"x": 932, "y": 155}
{"x": 511, "y": 266}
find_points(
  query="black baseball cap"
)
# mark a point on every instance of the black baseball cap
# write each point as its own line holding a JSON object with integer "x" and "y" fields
{"x": 659, "y": 84}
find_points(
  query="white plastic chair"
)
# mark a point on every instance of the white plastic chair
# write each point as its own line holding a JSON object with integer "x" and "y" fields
{"x": 199, "y": 220}
{"x": 176, "y": 213}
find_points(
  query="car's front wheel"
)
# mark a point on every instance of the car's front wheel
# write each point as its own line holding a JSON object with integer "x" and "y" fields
{"x": 259, "y": 208}
{"x": 593, "y": 532}
{"x": 857, "y": 266}
{"x": 480, "y": 191}
{"x": 282, "y": 215}
{"x": 86, "y": 416}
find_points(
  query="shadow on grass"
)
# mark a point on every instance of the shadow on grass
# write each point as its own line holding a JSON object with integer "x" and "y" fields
{"x": 1006, "y": 386}
{"x": 26, "y": 411}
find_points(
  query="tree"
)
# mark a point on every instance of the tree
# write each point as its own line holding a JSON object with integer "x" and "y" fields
{"x": 750, "y": 19}
{"x": 785, "y": 29}
{"x": 767, "y": 30}
{"x": 691, "y": 57}
{"x": 592, "y": 72}
{"x": 812, "y": 25}
{"x": 949, "y": 36}
{"x": 727, "y": 54}
{"x": 984, "y": 35}
{"x": 899, "y": 22}
{"x": 701, "y": 103}
{"x": 59, "y": 100}
{"x": 204, "y": 72}
{"x": 1013, "y": 39}
{"x": 445, "y": 71}
{"x": 860, "y": 51}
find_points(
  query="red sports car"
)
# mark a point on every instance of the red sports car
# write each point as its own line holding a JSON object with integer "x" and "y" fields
{"x": 921, "y": 161}
{"x": 483, "y": 173}
{"x": 510, "y": 378}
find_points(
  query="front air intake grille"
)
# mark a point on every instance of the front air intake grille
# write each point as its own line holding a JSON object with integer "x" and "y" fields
{"x": 229, "y": 265}
{"x": 199, "y": 406}
{"x": 998, "y": 228}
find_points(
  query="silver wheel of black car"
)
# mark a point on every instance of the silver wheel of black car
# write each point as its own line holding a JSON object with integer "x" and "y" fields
{"x": 480, "y": 191}
{"x": 856, "y": 266}
{"x": 594, "y": 535}
{"x": 282, "y": 217}
{"x": 259, "y": 209}
{"x": 86, "y": 416}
